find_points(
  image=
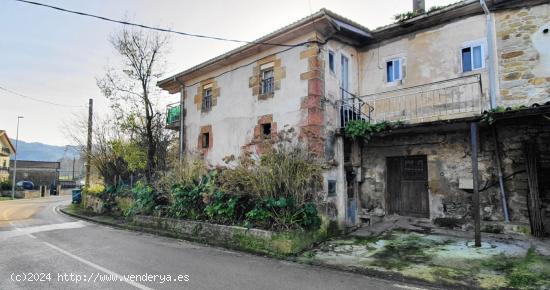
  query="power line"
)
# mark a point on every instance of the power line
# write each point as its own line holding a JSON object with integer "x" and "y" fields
{"x": 38, "y": 100}
{"x": 162, "y": 29}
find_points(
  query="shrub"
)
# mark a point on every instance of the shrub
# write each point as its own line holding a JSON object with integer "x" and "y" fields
{"x": 5, "y": 185}
{"x": 363, "y": 129}
{"x": 189, "y": 196}
{"x": 144, "y": 199}
{"x": 95, "y": 189}
{"x": 286, "y": 171}
{"x": 223, "y": 208}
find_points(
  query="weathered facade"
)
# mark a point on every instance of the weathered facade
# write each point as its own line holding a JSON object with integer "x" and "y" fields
{"x": 437, "y": 73}
{"x": 6, "y": 150}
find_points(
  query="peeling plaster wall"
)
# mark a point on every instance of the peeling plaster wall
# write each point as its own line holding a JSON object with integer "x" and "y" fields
{"x": 237, "y": 110}
{"x": 524, "y": 55}
{"x": 334, "y": 144}
{"x": 429, "y": 55}
{"x": 449, "y": 159}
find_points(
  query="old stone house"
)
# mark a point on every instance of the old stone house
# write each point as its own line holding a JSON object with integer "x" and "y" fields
{"x": 437, "y": 72}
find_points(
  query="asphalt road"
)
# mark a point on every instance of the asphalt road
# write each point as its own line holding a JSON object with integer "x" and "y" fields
{"x": 41, "y": 248}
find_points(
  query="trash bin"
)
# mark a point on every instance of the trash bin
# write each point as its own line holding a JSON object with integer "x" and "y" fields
{"x": 77, "y": 195}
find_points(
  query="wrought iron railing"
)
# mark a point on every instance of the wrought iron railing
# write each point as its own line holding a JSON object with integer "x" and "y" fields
{"x": 267, "y": 86}
{"x": 448, "y": 99}
{"x": 206, "y": 102}
{"x": 4, "y": 169}
{"x": 173, "y": 113}
{"x": 353, "y": 108}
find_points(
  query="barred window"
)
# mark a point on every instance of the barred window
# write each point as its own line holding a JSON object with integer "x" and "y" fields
{"x": 207, "y": 99}
{"x": 267, "y": 81}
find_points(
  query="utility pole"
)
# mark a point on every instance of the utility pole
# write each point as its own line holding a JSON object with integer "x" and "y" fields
{"x": 73, "y": 166}
{"x": 475, "y": 201}
{"x": 15, "y": 160}
{"x": 89, "y": 144}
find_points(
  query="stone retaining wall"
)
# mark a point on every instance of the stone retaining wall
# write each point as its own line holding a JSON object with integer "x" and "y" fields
{"x": 253, "y": 240}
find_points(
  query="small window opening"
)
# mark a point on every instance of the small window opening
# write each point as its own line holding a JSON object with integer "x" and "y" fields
{"x": 266, "y": 130}
{"x": 205, "y": 140}
{"x": 331, "y": 61}
{"x": 545, "y": 31}
{"x": 332, "y": 188}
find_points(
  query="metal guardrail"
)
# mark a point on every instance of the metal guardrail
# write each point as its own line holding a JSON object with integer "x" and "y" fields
{"x": 352, "y": 108}
{"x": 267, "y": 85}
{"x": 173, "y": 113}
{"x": 453, "y": 98}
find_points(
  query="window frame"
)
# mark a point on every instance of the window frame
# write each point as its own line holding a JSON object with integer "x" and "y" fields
{"x": 399, "y": 60}
{"x": 205, "y": 140}
{"x": 331, "y": 62}
{"x": 206, "y": 103}
{"x": 262, "y": 79}
{"x": 471, "y": 46}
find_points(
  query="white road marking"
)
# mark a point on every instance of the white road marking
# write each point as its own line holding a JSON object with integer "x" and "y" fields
{"x": 107, "y": 271}
{"x": 29, "y": 230}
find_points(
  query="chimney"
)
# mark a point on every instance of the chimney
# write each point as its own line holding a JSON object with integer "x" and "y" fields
{"x": 419, "y": 6}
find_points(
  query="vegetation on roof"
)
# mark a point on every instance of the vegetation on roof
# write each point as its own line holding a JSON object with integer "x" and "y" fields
{"x": 412, "y": 14}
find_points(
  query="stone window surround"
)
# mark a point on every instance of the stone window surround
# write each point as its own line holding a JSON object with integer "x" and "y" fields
{"x": 200, "y": 91}
{"x": 279, "y": 73}
{"x": 205, "y": 129}
{"x": 258, "y": 129}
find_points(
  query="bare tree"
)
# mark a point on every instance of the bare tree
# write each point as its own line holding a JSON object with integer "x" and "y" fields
{"x": 132, "y": 91}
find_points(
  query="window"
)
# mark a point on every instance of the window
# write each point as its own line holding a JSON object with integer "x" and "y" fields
{"x": 331, "y": 60}
{"x": 472, "y": 58}
{"x": 206, "y": 99}
{"x": 267, "y": 81}
{"x": 332, "y": 188}
{"x": 205, "y": 142}
{"x": 266, "y": 130}
{"x": 393, "y": 70}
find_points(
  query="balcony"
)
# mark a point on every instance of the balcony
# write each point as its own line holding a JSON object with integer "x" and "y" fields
{"x": 173, "y": 114}
{"x": 449, "y": 99}
{"x": 353, "y": 108}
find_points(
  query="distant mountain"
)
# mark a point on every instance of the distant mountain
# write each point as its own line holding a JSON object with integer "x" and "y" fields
{"x": 36, "y": 151}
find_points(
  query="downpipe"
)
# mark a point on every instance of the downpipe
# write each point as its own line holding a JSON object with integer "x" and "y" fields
{"x": 492, "y": 100}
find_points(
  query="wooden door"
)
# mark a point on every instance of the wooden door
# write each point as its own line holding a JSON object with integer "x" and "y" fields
{"x": 407, "y": 186}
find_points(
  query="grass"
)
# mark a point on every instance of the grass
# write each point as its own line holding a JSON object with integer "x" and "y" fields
{"x": 399, "y": 253}
{"x": 529, "y": 272}
{"x": 5, "y": 198}
{"x": 427, "y": 258}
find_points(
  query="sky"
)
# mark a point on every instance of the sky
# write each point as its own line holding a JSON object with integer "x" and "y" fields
{"x": 57, "y": 57}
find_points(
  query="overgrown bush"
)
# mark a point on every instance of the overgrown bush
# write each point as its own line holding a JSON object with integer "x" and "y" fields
{"x": 362, "y": 129}
{"x": 95, "y": 189}
{"x": 274, "y": 191}
{"x": 144, "y": 199}
{"x": 286, "y": 171}
{"x": 5, "y": 185}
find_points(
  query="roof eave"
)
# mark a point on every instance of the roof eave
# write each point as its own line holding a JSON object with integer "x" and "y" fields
{"x": 324, "y": 18}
